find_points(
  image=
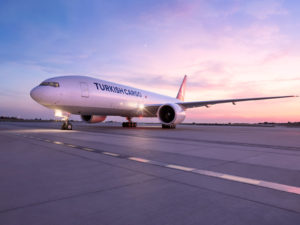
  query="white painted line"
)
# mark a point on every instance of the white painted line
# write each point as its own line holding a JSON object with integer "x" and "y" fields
{"x": 177, "y": 167}
{"x": 240, "y": 179}
{"x": 110, "y": 154}
{"x": 88, "y": 149}
{"x": 47, "y": 140}
{"x": 58, "y": 142}
{"x": 260, "y": 183}
{"x": 139, "y": 159}
{"x": 280, "y": 187}
{"x": 227, "y": 177}
{"x": 73, "y": 146}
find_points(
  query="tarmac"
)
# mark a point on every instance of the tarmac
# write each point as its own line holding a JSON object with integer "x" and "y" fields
{"x": 106, "y": 174}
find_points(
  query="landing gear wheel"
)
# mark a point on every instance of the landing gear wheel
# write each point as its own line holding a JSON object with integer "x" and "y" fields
{"x": 67, "y": 126}
{"x": 168, "y": 126}
{"x": 63, "y": 127}
{"x": 129, "y": 124}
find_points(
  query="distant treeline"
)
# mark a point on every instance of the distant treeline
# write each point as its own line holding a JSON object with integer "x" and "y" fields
{"x": 263, "y": 124}
{"x": 15, "y": 119}
{"x": 8, "y": 118}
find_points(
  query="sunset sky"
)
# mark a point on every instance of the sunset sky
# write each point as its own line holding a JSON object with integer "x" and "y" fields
{"x": 228, "y": 49}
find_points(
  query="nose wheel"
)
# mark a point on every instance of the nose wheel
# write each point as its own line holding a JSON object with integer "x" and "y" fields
{"x": 66, "y": 126}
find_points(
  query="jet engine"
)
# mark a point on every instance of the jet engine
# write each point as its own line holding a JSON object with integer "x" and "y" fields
{"x": 171, "y": 114}
{"x": 92, "y": 118}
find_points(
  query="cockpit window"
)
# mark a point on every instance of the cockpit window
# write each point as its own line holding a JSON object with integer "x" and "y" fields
{"x": 52, "y": 84}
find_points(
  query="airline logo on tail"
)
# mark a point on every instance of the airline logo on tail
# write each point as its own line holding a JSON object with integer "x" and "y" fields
{"x": 181, "y": 92}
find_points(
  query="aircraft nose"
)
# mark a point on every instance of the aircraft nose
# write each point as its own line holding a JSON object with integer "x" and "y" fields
{"x": 34, "y": 94}
{"x": 44, "y": 95}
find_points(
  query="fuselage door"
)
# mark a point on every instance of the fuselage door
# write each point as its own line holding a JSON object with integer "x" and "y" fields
{"x": 84, "y": 90}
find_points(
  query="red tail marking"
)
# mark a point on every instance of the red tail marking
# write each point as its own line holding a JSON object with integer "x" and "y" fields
{"x": 181, "y": 92}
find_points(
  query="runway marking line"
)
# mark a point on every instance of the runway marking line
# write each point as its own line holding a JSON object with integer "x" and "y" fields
{"x": 111, "y": 154}
{"x": 72, "y": 146}
{"x": 139, "y": 159}
{"x": 227, "y": 177}
{"x": 88, "y": 149}
{"x": 280, "y": 187}
{"x": 255, "y": 182}
{"x": 177, "y": 167}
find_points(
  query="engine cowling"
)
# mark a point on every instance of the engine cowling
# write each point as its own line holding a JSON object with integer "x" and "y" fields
{"x": 171, "y": 114}
{"x": 92, "y": 118}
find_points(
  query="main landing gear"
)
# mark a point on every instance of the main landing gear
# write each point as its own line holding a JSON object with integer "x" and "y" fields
{"x": 66, "y": 125}
{"x": 168, "y": 126}
{"x": 129, "y": 123}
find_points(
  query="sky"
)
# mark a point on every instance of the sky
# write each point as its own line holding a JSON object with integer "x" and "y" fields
{"x": 228, "y": 49}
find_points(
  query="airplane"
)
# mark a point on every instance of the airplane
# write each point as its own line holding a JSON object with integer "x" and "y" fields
{"x": 94, "y": 99}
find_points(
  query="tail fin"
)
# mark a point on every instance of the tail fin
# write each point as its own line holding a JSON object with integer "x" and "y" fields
{"x": 181, "y": 92}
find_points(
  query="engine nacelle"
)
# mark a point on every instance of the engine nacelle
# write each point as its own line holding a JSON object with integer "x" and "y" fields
{"x": 171, "y": 114}
{"x": 93, "y": 119}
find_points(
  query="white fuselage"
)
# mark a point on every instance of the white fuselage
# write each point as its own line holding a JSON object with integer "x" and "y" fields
{"x": 94, "y": 99}
{"x": 89, "y": 96}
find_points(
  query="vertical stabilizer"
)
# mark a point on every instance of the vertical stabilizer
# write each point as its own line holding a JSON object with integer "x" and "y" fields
{"x": 181, "y": 92}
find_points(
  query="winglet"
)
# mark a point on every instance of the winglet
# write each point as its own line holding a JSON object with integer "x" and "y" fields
{"x": 181, "y": 92}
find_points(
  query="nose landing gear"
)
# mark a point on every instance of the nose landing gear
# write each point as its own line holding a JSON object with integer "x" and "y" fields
{"x": 65, "y": 118}
{"x": 66, "y": 125}
{"x": 168, "y": 126}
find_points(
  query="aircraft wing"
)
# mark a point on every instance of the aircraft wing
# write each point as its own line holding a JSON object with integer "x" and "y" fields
{"x": 233, "y": 101}
{"x": 152, "y": 108}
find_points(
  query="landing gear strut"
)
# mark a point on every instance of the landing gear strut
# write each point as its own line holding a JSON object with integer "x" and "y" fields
{"x": 66, "y": 125}
{"x": 129, "y": 123}
{"x": 168, "y": 126}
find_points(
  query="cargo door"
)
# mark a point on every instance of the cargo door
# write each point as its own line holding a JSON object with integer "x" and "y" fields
{"x": 84, "y": 90}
